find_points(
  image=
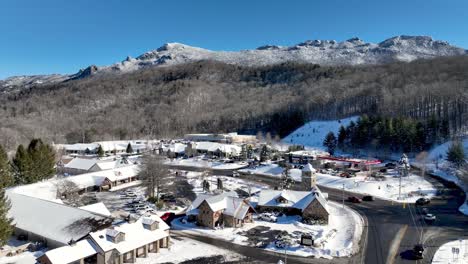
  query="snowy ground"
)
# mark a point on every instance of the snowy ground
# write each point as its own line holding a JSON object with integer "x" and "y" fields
{"x": 199, "y": 163}
{"x": 436, "y": 164}
{"x": 313, "y": 133}
{"x": 229, "y": 183}
{"x": 444, "y": 254}
{"x": 413, "y": 187}
{"x": 183, "y": 249}
{"x": 337, "y": 239}
{"x": 23, "y": 258}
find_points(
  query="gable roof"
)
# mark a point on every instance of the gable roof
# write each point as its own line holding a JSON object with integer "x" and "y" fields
{"x": 40, "y": 217}
{"x": 136, "y": 235}
{"x": 80, "y": 164}
{"x": 69, "y": 254}
{"x": 295, "y": 199}
{"x": 228, "y": 202}
{"x": 99, "y": 208}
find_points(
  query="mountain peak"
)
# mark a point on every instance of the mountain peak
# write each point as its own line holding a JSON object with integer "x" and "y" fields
{"x": 353, "y": 51}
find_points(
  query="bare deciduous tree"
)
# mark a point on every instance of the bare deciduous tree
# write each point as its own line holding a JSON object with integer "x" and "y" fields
{"x": 154, "y": 174}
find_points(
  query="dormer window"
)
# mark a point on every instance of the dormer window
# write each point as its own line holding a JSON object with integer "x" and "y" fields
{"x": 115, "y": 236}
{"x": 150, "y": 224}
{"x": 281, "y": 200}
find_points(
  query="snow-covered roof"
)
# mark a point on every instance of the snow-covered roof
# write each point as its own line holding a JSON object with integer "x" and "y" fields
{"x": 136, "y": 235}
{"x": 80, "y": 147}
{"x": 81, "y": 164}
{"x": 99, "y": 208}
{"x": 295, "y": 199}
{"x": 107, "y": 164}
{"x": 228, "y": 202}
{"x": 308, "y": 168}
{"x": 214, "y": 146}
{"x": 52, "y": 220}
{"x": 69, "y": 254}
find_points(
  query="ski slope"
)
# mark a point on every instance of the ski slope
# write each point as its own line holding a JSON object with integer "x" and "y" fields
{"x": 313, "y": 133}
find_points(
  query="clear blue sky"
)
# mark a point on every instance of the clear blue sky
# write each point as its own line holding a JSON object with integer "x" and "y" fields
{"x": 62, "y": 36}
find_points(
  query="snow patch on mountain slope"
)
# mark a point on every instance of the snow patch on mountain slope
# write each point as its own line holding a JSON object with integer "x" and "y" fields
{"x": 313, "y": 133}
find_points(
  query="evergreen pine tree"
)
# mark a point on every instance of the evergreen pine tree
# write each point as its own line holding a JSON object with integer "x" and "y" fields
{"x": 6, "y": 227}
{"x": 129, "y": 149}
{"x": 456, "y": 154}
{"x": 42, "y": 160}
{"x": 264, "y": 153}
{"x": 6, "y": 176}
{"x": 330, "y": 142}
{"x": 342, "y": 137}
{"x": 22, "y": 165}
{"x": 100, "y": 151}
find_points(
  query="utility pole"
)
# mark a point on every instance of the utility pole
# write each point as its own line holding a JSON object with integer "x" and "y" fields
{"x": 343, "y": 195}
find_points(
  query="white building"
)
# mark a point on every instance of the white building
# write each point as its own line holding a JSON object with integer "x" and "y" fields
{"x": 118, "y": 244}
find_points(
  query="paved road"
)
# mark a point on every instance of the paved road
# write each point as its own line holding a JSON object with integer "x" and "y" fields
{"x": 392, "y": 229}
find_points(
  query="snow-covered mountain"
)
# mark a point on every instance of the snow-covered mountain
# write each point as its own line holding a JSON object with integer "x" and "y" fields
{"x": 325, "y": 52}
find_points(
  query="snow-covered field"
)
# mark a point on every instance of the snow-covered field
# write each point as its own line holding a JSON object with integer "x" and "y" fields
{"x": 197, "y": 162}
{"x": 339, "y": 238}
{"x": 313, "y": 133}
{"x": 444, "y": 254}
{"x": 183, "y": 249}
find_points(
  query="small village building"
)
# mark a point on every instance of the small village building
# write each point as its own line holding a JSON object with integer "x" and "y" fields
{"x": 305, "y": 156}
{"x": 212, "y": 149}
{"x": 311, "y": 205}
{"x": 224, "y": 209}
{"x": 118, "y": 244}
{"x": 81, "y": 165}
{"x": 222, "y": 138}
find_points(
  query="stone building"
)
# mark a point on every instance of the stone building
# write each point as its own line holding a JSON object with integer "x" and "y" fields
{"x": 310, "y": 205}
{"x": 225, "y": 209}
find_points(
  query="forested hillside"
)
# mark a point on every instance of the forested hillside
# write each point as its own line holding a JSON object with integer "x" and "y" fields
{"x": 209, "y": 96}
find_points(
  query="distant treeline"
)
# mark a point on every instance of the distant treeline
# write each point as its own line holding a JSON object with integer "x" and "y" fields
{"x": 394, "y": 134}
{"x": 209, "y": 96}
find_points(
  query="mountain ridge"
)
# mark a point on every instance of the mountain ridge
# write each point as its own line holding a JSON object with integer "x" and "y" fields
{"x": 353, "y": 51}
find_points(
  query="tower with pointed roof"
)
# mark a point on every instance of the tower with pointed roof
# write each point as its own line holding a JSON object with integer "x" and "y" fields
{"x": 309, "y": 177}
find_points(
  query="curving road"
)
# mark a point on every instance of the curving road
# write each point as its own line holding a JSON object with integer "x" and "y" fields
{"x": 392, "y": 229}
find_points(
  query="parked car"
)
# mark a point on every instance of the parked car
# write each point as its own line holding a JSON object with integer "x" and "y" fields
{"x": 424, "y": 211}
{"x": 235, "y": 174}
{"x": 268, "y": 217}
{"x": 168, "y": 217}
{"x": 368, "y": 198}
{"x": 390, "y": 165}
{"x": 354, "y": 199}
{"x": 422, "y": 201}
{"x": 429, "y": 218}
{"x": 168, "y": 198}
{"x": 418, "y": 251}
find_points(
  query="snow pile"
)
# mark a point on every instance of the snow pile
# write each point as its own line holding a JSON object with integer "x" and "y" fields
{"x": 313, "y": 133}
{"x": 445, "y": 255}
